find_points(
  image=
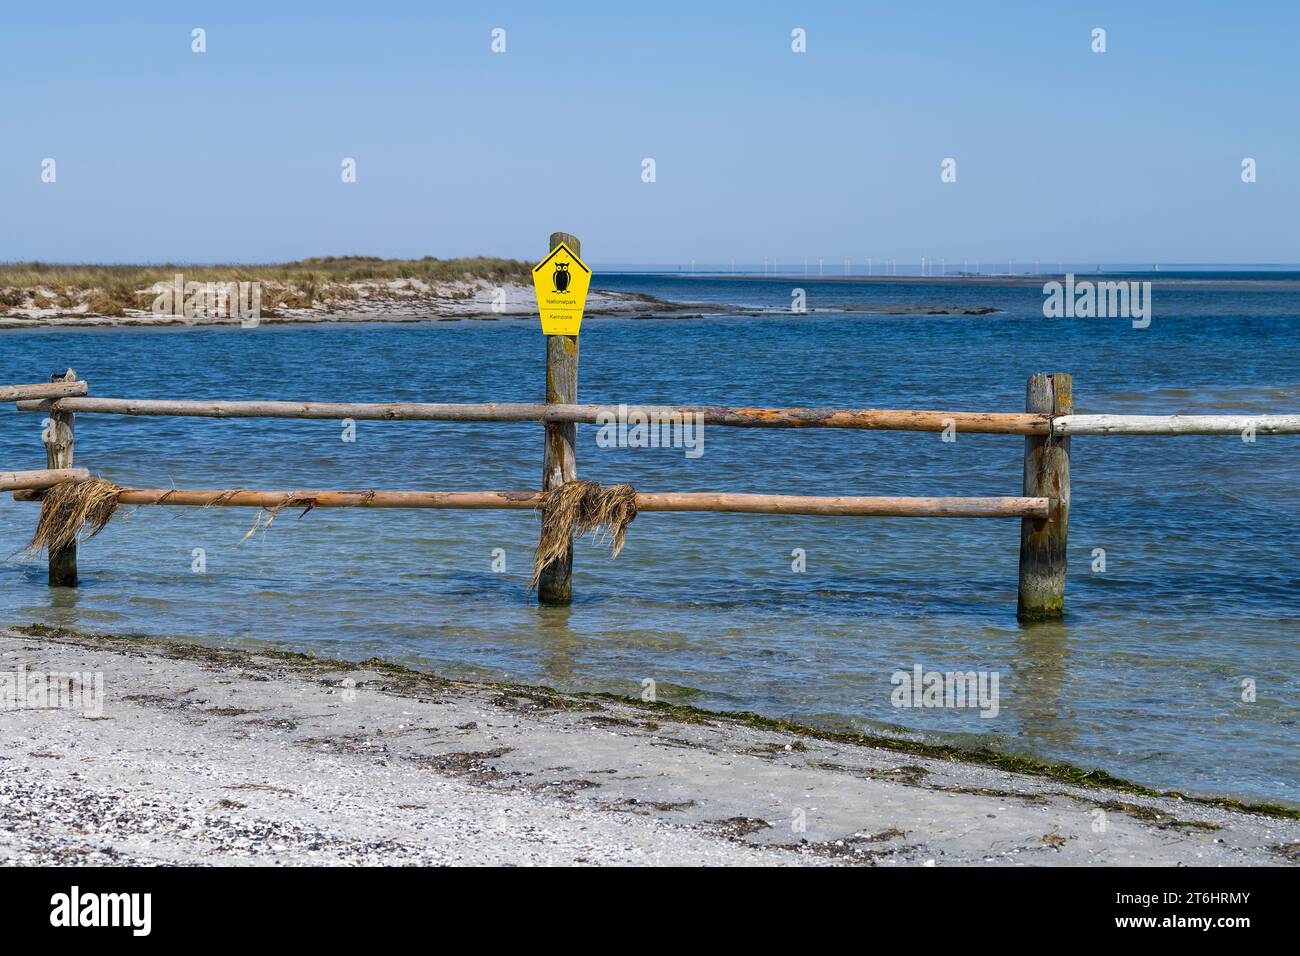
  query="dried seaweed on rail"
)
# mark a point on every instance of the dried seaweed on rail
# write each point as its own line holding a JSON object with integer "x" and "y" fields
{"x": 72, "y": 511}
{"x": 577, "y": 508}
{"x": 265, "y": 516}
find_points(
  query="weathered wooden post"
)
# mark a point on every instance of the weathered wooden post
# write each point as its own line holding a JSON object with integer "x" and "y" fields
{"x": 1047, "y": 475}
{"x": 560, "y": 463}
{"x": 58, "y": 454}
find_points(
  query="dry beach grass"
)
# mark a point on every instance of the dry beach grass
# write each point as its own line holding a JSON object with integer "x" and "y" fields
{"x": 70, "y": 508}
{"x": 329, "y": 289}
{"x": 112, "y": 290}
{"x": 577, "y": 508}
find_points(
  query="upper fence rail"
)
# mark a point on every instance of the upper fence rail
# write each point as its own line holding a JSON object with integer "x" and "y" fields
{"x": 29, "y": 399}
{"x": 42, "y": 390}
{"x": 1175, "y": 424}
{"x": 1003, "y": 423}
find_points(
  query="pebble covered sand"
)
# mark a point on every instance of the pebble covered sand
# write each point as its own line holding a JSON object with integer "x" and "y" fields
{"x": 204, "y": 756}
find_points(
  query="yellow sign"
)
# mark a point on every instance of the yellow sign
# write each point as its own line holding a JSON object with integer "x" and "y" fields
{"x": 561, "y": 281}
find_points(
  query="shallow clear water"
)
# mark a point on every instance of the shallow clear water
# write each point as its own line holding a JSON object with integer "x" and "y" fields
{"x": 1144, "y": 678}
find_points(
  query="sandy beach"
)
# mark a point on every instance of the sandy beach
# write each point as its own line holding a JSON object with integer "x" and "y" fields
{"x": 202, "y": 755}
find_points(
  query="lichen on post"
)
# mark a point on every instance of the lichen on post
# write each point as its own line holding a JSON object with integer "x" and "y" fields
{"x": 1047, "y": 475}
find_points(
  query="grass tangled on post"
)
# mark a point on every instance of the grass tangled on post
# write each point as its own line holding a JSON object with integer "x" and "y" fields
{"x": 69, "y": 508}
{"x": 579, "y": 507}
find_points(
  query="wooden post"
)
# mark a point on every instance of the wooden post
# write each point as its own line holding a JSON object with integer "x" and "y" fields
{"x": 58, "y": 454}
{"x": 1047, "y": 474}
{"x": 560, "y": 463}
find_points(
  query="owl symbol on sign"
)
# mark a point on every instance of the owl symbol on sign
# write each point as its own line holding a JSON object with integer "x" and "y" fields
{"x": 561, "y": 277}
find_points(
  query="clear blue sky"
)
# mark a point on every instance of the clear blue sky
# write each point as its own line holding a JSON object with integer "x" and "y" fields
{"x": 1133, "y": 155}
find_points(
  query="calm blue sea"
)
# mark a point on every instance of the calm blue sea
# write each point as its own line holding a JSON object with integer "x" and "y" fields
{"x": 1199, "y": 599}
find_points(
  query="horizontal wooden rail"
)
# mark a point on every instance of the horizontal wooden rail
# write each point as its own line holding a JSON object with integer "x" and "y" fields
{"x": 1175, "y": 424}
{"x": 43, "y": 390}
{"x": 1001, "y": 423}
{"x": 527, "y": 500}
{"x": 45, "y": 478}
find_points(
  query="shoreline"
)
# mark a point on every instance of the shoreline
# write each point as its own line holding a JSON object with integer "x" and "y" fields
{"x": 408, "y": 302}
{"x": 1261, "y": 280}
{"x": 401, "y": 313}
{"x": 466, "y": 302}
{"x": 264, "y": 757}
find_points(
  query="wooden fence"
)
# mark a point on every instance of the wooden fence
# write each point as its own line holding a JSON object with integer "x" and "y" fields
{"x": 1047, "y": 426}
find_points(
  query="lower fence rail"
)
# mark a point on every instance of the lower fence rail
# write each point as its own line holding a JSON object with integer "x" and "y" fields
{"x": 726, "y": 502}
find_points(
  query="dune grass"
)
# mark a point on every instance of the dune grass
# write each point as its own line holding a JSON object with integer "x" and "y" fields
{"x": 111, "y": 289}
{"x": 31, "y": 275}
